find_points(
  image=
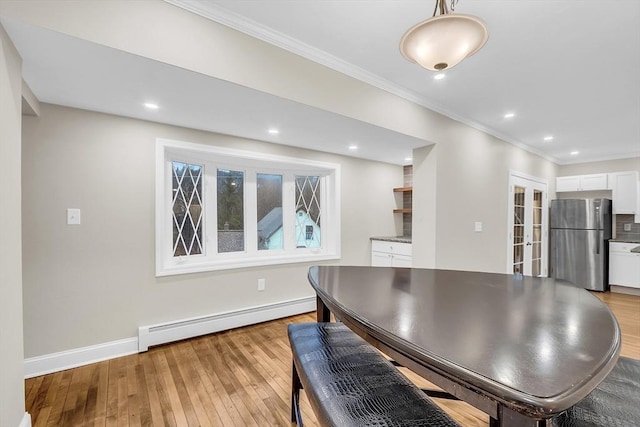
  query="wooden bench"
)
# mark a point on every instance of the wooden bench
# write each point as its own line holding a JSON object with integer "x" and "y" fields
{"x": 349, "y": 383}
{"x": 614, "y": 403}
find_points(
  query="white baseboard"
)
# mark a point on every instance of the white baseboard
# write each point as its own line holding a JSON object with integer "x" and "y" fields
{"x": 26, "y": 420}
{"x": 162, "y": 333}
{"x": 54, "y": 362}
{"x": 187, "y": 328}
{"x": 624, "y": 290}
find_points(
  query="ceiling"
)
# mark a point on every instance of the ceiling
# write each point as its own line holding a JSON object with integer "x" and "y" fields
{"x": 567, "y": 69}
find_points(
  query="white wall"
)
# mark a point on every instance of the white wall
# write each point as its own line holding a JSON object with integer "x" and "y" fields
{"x": 166, "y": 33}
{"x": 12, "y": 402}
{"x": 607, "y": 166}
{"x": 95, "y": 283}
{"x": 464, "y": 178}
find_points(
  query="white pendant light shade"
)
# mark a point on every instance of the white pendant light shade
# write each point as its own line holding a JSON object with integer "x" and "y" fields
{"x": 443, "y": 41}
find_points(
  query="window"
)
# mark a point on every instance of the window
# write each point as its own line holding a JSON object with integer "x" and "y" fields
{"x": 269, "y": 212}
{"x": 219, "y": 208}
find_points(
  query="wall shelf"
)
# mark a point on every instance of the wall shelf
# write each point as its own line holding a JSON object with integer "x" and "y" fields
{"x": 403, "y": 189}
{"x": 406, "y": 192}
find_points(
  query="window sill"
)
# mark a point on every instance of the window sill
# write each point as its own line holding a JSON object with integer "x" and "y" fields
{"x": 229, "y": 264}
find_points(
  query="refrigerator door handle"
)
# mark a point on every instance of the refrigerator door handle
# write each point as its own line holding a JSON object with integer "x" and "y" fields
{"x": 599, "y": 228}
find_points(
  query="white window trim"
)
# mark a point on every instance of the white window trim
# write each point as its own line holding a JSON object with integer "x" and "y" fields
{"x": 167, "y": 264}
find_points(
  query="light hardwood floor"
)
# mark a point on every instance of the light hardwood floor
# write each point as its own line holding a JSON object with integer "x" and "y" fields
{"x": 238, "y": 378}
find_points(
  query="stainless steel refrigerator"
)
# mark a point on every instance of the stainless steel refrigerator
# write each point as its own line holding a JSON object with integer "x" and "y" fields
{"x": 580, "y": 230}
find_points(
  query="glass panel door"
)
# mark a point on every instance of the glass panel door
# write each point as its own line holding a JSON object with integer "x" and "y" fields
{"x": 518, "y": 229}
{"x": 527, "y": 228}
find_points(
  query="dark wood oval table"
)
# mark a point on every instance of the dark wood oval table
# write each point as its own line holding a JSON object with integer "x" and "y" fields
{"x": 521, "y": 349}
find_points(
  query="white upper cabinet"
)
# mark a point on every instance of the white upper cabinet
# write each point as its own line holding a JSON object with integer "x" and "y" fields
{"x": 598, "y": 181}
{"x": 624, "y": 187}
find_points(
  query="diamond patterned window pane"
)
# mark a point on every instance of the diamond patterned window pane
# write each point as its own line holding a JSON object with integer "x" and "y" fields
{"x": 230, "y": 210}
{"x": 308, "y": 212}
{"x": 186, "y": 207}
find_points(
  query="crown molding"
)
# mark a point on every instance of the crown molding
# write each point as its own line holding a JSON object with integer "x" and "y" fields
{"x": 259, "y": 31}
{"x": 599, "y": 159}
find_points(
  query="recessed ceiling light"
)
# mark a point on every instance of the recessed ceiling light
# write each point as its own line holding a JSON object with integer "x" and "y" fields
{"x": 439, "y": 76}
{"x": 548, "y": 138}
{"x": 274, "y": 131}
{"x": 353, "y": 147}
{"x": 574, "y": 153}
{"x": 408, "y": 159}
{"x": 509, "y": 115}
{"x": 151, "y": 105}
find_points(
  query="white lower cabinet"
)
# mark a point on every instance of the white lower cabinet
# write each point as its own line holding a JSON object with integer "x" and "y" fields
{"x": 624, "y": 266}
{"x": 390, "y": 254}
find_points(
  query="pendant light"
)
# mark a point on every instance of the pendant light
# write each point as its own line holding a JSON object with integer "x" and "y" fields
{"x": 444, "y": 40}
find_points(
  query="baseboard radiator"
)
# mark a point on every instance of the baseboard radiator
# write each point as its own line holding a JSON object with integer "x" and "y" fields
{"x": 163, "y": 333}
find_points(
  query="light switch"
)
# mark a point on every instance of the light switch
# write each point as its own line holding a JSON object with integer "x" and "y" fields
{"x": 626, "y": 227}
{"x": 73, "y": 216}
{"x": 478, "y": 226}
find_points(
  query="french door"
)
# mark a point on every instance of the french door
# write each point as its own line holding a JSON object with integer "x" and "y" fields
{"x": 528, "y": 226}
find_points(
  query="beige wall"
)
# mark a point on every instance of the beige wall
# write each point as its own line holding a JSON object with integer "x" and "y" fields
{"x": 470, "y": 172}
{"x": 606, "y": 166}
{"x": 12, "y": 403}
{"x": 95, "y": 283}
{"x": 166, "y": 33}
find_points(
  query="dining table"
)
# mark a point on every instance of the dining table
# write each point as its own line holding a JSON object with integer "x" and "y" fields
{"x": 521, "y": 349}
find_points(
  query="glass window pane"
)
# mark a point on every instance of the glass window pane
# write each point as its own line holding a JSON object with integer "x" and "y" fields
{"x": 518, "y": 196}
{"x": 518, "y": 253}
{"x": 537, "y": 216}
{"x": 518, "y": 234}
{"x": 535, "y": 268}
{"x": 537, "y": 250}
{"x": 269, "y": 204}
{"x": 518, "y": 213}
{"x": 308, "y": 212}
{"x": 537, "y": 199}
{"x": 230, "y": 210}
{"x": 537, "y": 233}
{"x": 517, "y": 269}
{"x": 186, "y": 208}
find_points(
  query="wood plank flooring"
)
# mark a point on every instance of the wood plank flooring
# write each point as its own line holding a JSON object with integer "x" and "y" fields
{"x": 235, "y": 378}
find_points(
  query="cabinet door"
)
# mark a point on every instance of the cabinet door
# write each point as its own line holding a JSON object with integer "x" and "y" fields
{"x": 625, "y": 192}
{"x": 401, "y": 261}
{"x": 380, "y": 259}
{"x": 593, "y": 182}
{"x": 624, "y": 269}
{"x": 568, "y": 183}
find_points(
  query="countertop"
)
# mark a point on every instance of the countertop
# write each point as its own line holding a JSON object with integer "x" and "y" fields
{"x": 625, "y": 241}
{"x": 397, "y": 239}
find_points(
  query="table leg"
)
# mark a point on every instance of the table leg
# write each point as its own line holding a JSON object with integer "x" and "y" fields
{"x": 322, "y": 312}
{"x": 510, "y": 418}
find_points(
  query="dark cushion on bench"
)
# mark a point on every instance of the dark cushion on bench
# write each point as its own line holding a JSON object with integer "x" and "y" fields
{"x": 349, "y": 383}
{"x": 614, "y": 403}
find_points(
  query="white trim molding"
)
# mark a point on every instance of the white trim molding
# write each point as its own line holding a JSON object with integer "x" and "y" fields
{"x": 233, "y": 20}
{"x": 26, "y": 420}
{"x": 210, "y": 159}
{"x": 164, "y": 333}
{"x": 54, "y": 362}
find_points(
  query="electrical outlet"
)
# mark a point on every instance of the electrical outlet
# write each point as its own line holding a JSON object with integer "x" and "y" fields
{"x": 262, "y": 284}
{"x": 478, "y": 226}
{"x": 73, "y": 216}
{"x": 627, "y": 227}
